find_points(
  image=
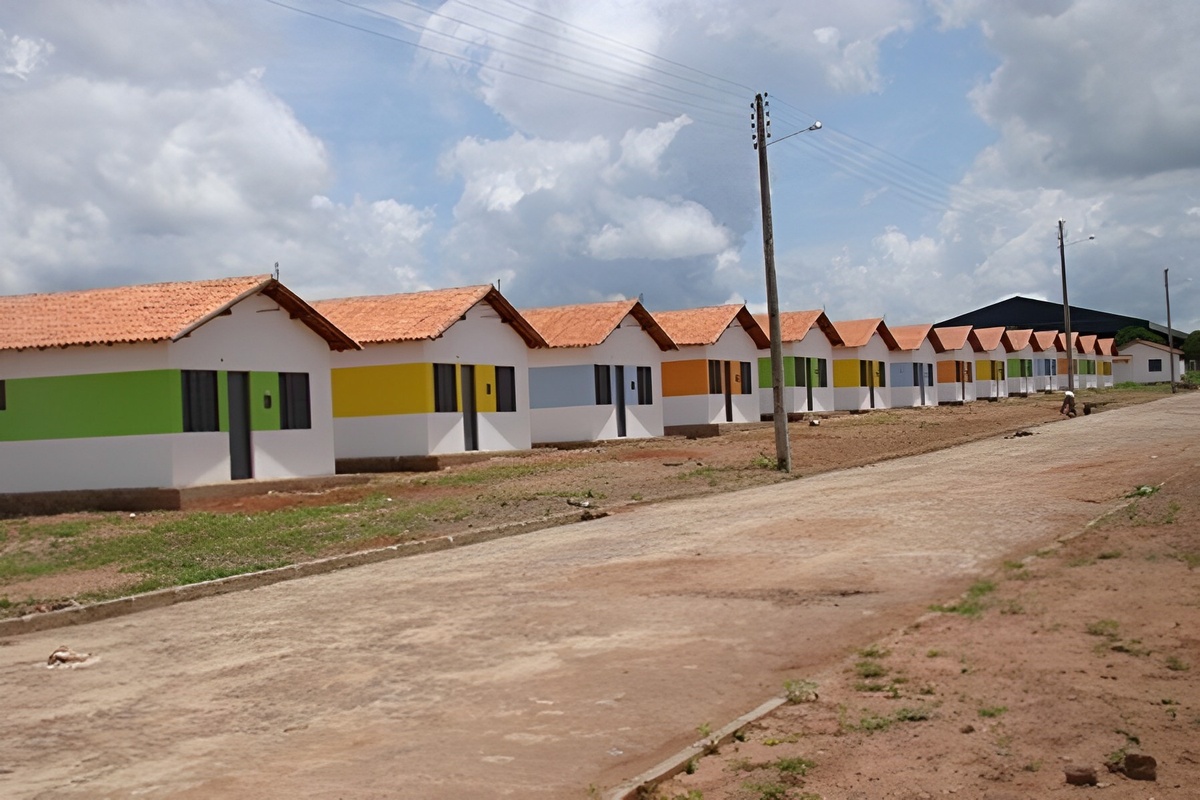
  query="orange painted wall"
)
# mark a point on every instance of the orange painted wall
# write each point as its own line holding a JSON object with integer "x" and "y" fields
{"x": 683, "y": 378}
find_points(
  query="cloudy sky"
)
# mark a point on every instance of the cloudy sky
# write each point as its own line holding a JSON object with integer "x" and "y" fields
{"x": 580, "y": 150}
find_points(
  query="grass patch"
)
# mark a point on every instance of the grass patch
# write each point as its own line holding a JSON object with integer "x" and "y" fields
{"x": 973, "y": 602}
{"x": 800, "y": 691}
{"x": 1107, "y": 628}
{"x": 1176, "y": 665}
{"x": 491, "y": 474}
{"x": 870, "y": 668}
{"x": 991, "y": 712}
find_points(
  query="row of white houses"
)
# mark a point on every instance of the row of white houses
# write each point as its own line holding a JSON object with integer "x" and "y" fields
{"x": 182, "y": 384}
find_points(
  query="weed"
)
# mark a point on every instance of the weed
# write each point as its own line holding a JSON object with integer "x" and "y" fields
{"x": 990, "y": 712}
{"x": 693, "y": 794}
{"x": 1175, "y": 664}
{"x": 800, "y": 691}
{"x": 792, "y": 739}
{"x": 1082, "y": 561}
{"x": 637, "y": 497}
{"x": 794, "y": 766}
{"x": 1032, "y": 766}
{"x": 1104, "y": 627}
{"x": 764, "y": 461}
{"x": 1143, "y": 491}
{"x": 875, "y": 722}
{"x": 1012, "y": 566}
{"x": 739, "y": 735}
{"x": 1191, "y": 559}
{"x": 919, "y": 714}
{"x": 869, "y": 668}
{"x": 874, "y": 651}
{"x": 933, "y": 653}
{"x": 1108, "y": 555}
{"x": 1011, "y": 607}
{"x": 767, "y": 791}
{"x": 704, "y": 729}
{"x": 972, "y": 604}
{"x": 690, "y": 767}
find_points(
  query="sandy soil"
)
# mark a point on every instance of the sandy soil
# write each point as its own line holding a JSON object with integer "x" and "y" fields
{"x": 562, "y": 662}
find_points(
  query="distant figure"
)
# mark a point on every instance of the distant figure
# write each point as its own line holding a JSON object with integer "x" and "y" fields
{"x": 1068, "y": 405}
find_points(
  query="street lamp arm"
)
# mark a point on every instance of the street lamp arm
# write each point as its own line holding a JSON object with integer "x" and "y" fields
{"x": 816, "y": 126}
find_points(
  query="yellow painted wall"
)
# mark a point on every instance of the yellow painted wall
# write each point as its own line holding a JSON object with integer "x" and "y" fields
{"x": 845, "y": 373}
{"x": 383, "y": 390}
{"x": 984, "y": 370}
{"x": 683, "y": 378}
{"x": 485, "y": 388}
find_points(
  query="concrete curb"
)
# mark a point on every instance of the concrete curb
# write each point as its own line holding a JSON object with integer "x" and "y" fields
{"x": 161, "y": 598}
{"x": 635, "y": 787}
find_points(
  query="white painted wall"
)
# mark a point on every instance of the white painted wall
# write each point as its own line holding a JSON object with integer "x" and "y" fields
{"x": 481, "y": 338}
{"x": 1138, "y": 368}
{"x": 629, "y": 346}
{"x": 1015, "y": 383}
{"x": 795, "y": 398}
{"x": 860, "y": 398}
{"x": 733, "y": 345}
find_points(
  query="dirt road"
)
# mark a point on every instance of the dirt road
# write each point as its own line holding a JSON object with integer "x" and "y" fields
{"x": 544, "y": 664}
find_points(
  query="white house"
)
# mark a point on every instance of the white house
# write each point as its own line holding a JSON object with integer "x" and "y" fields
{"x": 955, "y": 364}
{"x": 990, "y": 363}
{"x": 440, "y": 372}
{"x": 860, "y": 364}
{"x": 1045, "y": 360}
{"x": 711, "y": 378}
{"x": 163, "y": 386}
{"x": 1105, "y": 350}
{"x": 1140, "y": 361}
{"x": 807, "y": 339}
{"x": 1018, "y": 346}
{"x": 1068, "y": 370}
{"x": 599, "y": 376}
{"x": 1087, "y": 377}
{"x": 911, "y": 369}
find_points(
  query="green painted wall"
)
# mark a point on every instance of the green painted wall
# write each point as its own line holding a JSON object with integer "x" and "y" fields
{"x": 764, "y": 372}
{"x": 82, "y": 406}
{"x": 262, "y": 386}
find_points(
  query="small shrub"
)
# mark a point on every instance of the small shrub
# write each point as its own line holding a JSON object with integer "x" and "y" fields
{"x": 1108, "y": 555}
{"x": 1104, "y": 627}
{"x": 870, "y": 669}
{"x": 1176, "y": 665}
{"x": 800, "y": 691}
{"x": 991, "y": 712}
{"x": 913, "y": 714}
{"x": 794, "y": 766}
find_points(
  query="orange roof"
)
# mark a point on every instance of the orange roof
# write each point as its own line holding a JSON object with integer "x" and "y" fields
{"x": 952, "y": 338}
{"x": 1060, "y": 341}
{"x": 376, "y": 319}
{"x": 985, "y": 340}
{"x": 1155, "y": 345}
{"x": 857, "y": 332}
{"x": 1087, "y": 344}
{"x": 156, "y": 312}
{"x": 590, "y": 324}
{"x": 911, "y": 337}
{"x": 795, "y": 325}
{"x": 1106, "y": 347}
{"x": 1017, "y": 339}
{"x": 704, "y": 326}
{"x": 1044, "y": 340}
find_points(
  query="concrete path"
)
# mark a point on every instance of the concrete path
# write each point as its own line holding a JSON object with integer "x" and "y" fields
{"x": 540, "y": 665}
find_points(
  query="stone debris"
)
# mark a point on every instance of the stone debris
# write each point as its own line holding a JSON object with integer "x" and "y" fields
{"x": 1138, "y": 767}
{"x": 813, "y": 423}
{"x": 571, "y": 501}
{"x": 1079, "y": 775}
{"x": 65, "y": 655}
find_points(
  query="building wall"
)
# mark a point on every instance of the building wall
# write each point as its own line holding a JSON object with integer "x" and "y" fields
{"x": 955, "y": 376}
{"x": 1045, "y": 371}
{"x": 384, "y": 394}
{"x": 685, "y": 386}
{"x": 1019, "y": 368}
{"x": 850, "y": 392}
{"x": 110, "y": 417}
{"x": 798, "y": 380}
{"x": 991, "y": 371}
{"x": 1138, "y": 368}
{"x": 905, "y": 386}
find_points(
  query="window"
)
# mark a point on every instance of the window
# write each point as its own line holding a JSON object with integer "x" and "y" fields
{"x": 3, "y": 397}
{"x": 878, "y": 365}
{"x": 714, "y": 377}
{"x": 822, "y": 373}
{"x": 800, "y": 367}
{"x": 295, "y": 412}
{"x": 863, "y": 366}
{"x": 645, "y": 386}
{"x": 929, "y": 374}
{"x": 1156, "y": 365}
{"x": 917, "y": 374}
{"x": 506, "y": 388}
{"x": 200, "y": 409}
{"x": 603, "y": 385}
{"x": 445, "y": 388}
{"x": 747, "y": 388}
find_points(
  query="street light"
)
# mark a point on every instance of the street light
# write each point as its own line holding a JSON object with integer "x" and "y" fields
{"x": 783, "y": 451}
{"x": 1062, "y": 258}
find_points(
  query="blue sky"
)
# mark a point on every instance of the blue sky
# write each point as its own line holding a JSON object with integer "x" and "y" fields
{"x": 577, "y": 151}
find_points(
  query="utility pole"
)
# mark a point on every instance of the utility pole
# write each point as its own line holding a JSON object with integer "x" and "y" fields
{"x": 1170, "y": 337}
{"x": 783, "y": 451}
{"x": 1062, "y": 258}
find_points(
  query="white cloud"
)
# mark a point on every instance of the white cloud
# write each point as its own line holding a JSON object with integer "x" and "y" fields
{"x": 19, "y": 57}
{"x": 649, "y": 228}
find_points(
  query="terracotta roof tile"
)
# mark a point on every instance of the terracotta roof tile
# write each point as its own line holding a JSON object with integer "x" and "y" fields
{"x": 950, "y": 338}
{"x": 704, "y": 326}
{"x": 415, "y": 316}
{"x": 795, "y": 325}
{"x": 985, "y": 340}
{"x": 910, "y": 337}
{"x": 1060, "y": 341}
{"x": 1044, "y": 340}
{"x": 147, "y": 313}
{"x": 857, "y": 332}
{"x": 1087, "y": 344}
{"x": 589, "y": 324}
{"x": 1106, "y": 346}
{"x": 1015, "y": 340}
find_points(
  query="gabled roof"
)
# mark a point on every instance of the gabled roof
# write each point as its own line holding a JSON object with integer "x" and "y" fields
{"x": 1087, "y": 344}
{"x": 984, "y": 340}
{"x": 1044, "y": 340}
{"x": 1155, "y": 345}
{"x": 1106, "y": 346}
{"x": 589, "y": 324}
{"x": 411, "y": 317}
{"x": 857, "y": 332}
{"x": 1015, "y": 340}
{"x": 795, "y": 325}
{"x": 1060, "y": 341}
{"x": 156, "y": 312}
{"x": 704, "y": 326}
{"x": 910, "y": 337}
{"x": 950, "y": 338}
